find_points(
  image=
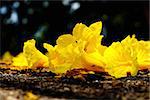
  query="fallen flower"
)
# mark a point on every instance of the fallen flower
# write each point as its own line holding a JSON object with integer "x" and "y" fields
{"x": 6, "y": 58}
{"x": 20, "y": 62}
{"x": 83, "y": 50}
{"x": 31, "y": 96}
{"x": 34, "y": 56}
{"x": 119, "y": 61}
{"x": 79, "y": 50}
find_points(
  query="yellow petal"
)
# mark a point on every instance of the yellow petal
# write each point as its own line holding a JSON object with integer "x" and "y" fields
{"x": 31, "y": 96}
{"x": 77, "y": 30}
{"x": 116, "y": 54}
{"x": 82, "y": 32}
{"x": 94, "y": 58}
{"x": 87, "y": 34}
{"x": 20, "y": 61}
{"x": 93, "y": 30}
{"x": 50, "y": 49}
{"x": 7, "y": 57}
{"x": 33, "y": 55}
{"x": 119, "y": 60}
{"x": 97, "y": 26}
{"x": 121, "y": 71}
{"x": 140, "y": 49}
{"x": 59, "y": 58}
{"x": 65, "y": 40}
{"x": 129, "y": 40}
{"x": 60, "y": 69}
{"x": 143, "y": 55}
{"x": 93, "y": 43}
{"x": 131, "y": 44}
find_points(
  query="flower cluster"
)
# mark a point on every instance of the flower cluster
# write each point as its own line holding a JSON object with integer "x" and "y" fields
{"x": 83, "y": 50}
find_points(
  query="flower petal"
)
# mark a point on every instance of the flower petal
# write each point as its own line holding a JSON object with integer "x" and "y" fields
{"x": 65, "y": 40}
{"x": 33, "y": 55}
{"x": 78, "y": 30}
{"x": 20, "y": 61}
{"x": 119, "y": 61}
{"x": 143, "y": 55}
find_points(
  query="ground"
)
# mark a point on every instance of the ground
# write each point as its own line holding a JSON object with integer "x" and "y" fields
{"x": 45, "y": 85}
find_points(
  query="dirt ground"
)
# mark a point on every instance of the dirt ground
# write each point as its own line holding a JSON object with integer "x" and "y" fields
{"x": 20, "y": 85}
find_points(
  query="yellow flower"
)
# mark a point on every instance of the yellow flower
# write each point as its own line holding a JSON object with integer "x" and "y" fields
{"x": 34, "y": 57}
{"x": 140, "y": 49}
{"x": 77, "y": 51}
{"x": 7, "y": 58}
{"x": 64, "y": 56}
{"x": 20, "y": 62}
{"x": 82, "y": 50}
{"x": 30, "y": 96}
{"x": 120, "y": 60}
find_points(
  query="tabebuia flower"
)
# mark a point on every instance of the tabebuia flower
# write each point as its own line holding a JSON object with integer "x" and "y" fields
{"x": 31, "y": 57}
{"x": 82, "y": 50}
{"x": 139, "y": 48}
{"x": 120, "y": 60}
{"x": 7, "y": 57}
{"x": 79, "y": 50}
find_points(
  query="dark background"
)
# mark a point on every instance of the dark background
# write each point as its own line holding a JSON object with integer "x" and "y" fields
{"x": 46, "y": 20}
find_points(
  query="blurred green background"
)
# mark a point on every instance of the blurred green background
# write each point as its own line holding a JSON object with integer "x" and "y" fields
{"x": 45, "y": 20}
